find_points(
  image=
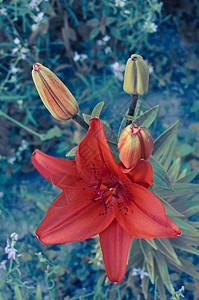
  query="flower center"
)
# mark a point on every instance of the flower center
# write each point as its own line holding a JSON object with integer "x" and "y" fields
{"x": 107, "y": 192}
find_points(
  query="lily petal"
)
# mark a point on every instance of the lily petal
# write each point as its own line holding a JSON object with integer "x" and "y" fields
{"x": 143, "y": 214}
{"x": 61, "y": 172}
{"x": 73, "y": 216}
{"x": 115, "y": 242}
{"x": 93, "y": 157}
{"x": 141, "y": 174}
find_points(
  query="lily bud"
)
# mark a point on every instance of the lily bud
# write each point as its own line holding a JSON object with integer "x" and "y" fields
{"x": 135, "y": 143}
{"x": 54, "y": 94}
{"x": 136, "y": 77}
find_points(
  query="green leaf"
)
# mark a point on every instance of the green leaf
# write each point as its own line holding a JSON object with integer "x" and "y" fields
{"x": 38, "y": 293}
{"x": 184, "y": 245}
{"x": 86, "y": 118}
{"x": 112, "y": 141}
{"x": 97, "y": 110}
{"x": 164, "y": 141}
{"x": 169, "y": 209}
{"x": 152, "y": 243}
{"x": 53, "y": 132}
{"x": 147, "y": 118}
{"x": 167, "y": 158}
{"x": 160, "y": 176}
{"x": 93, "y": 22}
{"x": 175, "y": 169}
{"x": 83, "y": 79}
{"x": 150, "y": 270}
{"x": 165, "y": 247}
{"x": 72, "y": 152}
{"x": 147, "y": 250}
{"x": 185, "y": 188}
{"x": 94, "y": 32}
{"x": 17, "y": 293}
{"x": 189, "y": 177}
{"x": 163, "y": 270}
{"x": 110, "y": 20}
{"x": 145, "y": 286}
{"x": 182, "y": 224}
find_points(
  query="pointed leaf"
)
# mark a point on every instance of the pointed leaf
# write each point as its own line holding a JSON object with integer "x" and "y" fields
{"x": 160, "y": 176}
{"x": 168, "y": 247}
{"x": 185, "y": 188}
{"x": 72, "y": 152}
{"x": 147, "y": 118}
{"x": 145, "y": 286}
{"x": 189, "y": 177}
{"x": 175, "y": 169}
{"x": 86, "y": 118}
{"x": 182, "y": 224}
{"x": 150, "y": 270}
{"x": 164, "y": 141}
{"x": 169, "y": 209}
{"x": 17, "y": 293}
{"x": 167, "y": 250}
{"x": 152, "y": 243}
{"x": 97, "y": 110}
{"x": 147, "y": 250}
{"x": 167, "y": 158}
{"x": 163, "y": 270}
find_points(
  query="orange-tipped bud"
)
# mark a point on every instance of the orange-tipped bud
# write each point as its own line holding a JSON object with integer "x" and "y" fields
{"x": 135, "y": 143}
{"x": 136, "y": 77}
{"x": 54, "y": 94}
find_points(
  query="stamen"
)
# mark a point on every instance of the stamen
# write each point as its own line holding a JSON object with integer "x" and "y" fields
{"x": 92, "y": 184}
{"x": 101, "y": 194}
{"x": 99, "y": 184}
{"x": 104, "y": 203}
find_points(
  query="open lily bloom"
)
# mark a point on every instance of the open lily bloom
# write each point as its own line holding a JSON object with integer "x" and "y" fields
{"x": 100, "y": 197}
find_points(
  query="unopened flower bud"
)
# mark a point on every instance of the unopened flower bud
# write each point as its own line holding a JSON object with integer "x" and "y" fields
{"x": 54, "y": 94}
{"x": 136, "y": 77}
{"x": 135, "y": 143}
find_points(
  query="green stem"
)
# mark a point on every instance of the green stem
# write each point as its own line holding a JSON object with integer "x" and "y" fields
{"x": 41, "y": 136}
{"x": 80, "y": 121}
{"x": 132, "y": 107}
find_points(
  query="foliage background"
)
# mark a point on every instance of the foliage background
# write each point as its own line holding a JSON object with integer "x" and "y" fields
{"x": 86, "y": 43}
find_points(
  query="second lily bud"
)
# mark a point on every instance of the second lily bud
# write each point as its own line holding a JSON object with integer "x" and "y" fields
{"x": 54, "y": 94}
{"x": 136, "y": 77}
{"x": 135, "y": 143}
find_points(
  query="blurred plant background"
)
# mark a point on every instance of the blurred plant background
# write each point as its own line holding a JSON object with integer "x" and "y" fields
{"x": 87, "y": 43}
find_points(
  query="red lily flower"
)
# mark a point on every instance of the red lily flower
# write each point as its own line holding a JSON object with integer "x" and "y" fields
{"x": 100, "y": 198}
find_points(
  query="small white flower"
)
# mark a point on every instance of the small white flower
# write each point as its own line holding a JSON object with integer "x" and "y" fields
{"x": 15, "y": 70}
{"x": 118, "y": 70}
{"x": 11, "y": 160}
{"x": 39, "y": 17}
{"x": 16, "y": 41}
{"x": 106, "y": 38}
{"x": 76, "y": 57}
{"x": 107, "y": 50}
{"x": 1, "y": 194}
{"x": 13, "y": 78}
{"x": 15, "y": 50}
{"x": 120, "y": 3}
{"x": 150, "y": 69}
{"x": 140, "y": 272}
{"x": 35, "y": 27}
{"x": 80, "y": 57}
{"x": 3, "y": 11}
{"x": 20, "y": 101}
{"x": 14, "y": 235}
{"x": 99, "y": 42}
